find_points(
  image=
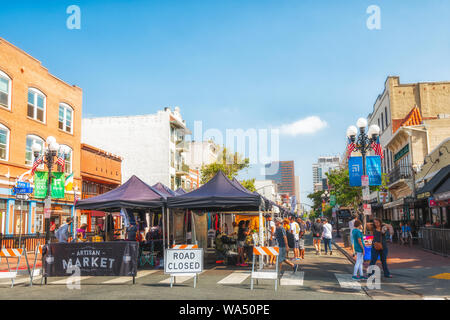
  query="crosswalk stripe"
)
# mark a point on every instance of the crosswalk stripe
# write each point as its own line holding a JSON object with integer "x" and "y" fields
{"x": 346, "y": 281}
{"x": 292, "y": 279}
{"x": 180, "y": 279}
{"x": 66, "y": 280}
{"x": 119, "y": 280}
{"x": 235, "y": 278}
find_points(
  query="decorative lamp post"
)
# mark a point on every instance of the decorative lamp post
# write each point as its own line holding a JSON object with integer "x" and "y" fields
{"x": 49, "y": 153}
{"x": 363, "y": 143}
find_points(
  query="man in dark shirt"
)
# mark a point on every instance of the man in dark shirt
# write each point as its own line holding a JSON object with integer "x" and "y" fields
{"x": 280, "y": 235}
{"x": 317, "y": 230}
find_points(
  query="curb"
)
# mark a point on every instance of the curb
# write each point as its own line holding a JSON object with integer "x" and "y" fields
{"x": 344, "y": 252}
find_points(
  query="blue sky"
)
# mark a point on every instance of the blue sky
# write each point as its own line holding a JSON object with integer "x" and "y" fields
{"x": 238, "y": 64}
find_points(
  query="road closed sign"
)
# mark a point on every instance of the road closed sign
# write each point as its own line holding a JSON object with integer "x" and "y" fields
{"x": 183, "y": 261}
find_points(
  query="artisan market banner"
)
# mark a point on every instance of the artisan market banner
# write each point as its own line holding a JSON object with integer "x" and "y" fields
{"x": 118, "y": 258}
{"x": 58, "y": 185}
{"x": 40, "y": 184}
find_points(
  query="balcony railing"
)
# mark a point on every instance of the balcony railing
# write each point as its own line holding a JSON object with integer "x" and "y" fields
{"x": 399, "y": 173}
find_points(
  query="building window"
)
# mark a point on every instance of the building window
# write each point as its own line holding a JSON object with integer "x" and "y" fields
{"x": 382, "y": 122}
{"x": 29, "y": 157}
{"x": 36, "y": 105}
{"x": 4, "y": 142}
{"x": 68, "y": 163}
{"x": 386, "y": 116}
{"x": 5, "y": 90}
{"x": 65, "y": 121}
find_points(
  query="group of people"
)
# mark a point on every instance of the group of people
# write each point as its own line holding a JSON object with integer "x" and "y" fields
{"x": 321, "y": 229}
{"x": 381, "y": 232}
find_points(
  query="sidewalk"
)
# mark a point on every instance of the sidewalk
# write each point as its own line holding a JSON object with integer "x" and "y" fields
{"x": 401, "y": 257}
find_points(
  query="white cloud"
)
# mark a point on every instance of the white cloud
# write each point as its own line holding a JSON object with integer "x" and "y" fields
{"x": 308, "y": 125}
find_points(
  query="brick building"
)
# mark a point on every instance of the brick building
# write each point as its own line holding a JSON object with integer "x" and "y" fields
{"x": 100, "y": 172}
{"x": 34, "y": 104}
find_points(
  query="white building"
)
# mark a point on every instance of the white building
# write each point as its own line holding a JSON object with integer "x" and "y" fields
{"x": 152, "y": 146}
{"x": 323, "y": 165}
{"x": 200, "y": 153}
{"x": 268, "y": 189}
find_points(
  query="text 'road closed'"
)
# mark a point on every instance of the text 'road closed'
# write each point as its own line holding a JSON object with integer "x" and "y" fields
{"x": 183, "y": 261}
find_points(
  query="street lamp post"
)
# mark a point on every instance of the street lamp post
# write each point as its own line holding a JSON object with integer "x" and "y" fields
{"x": 363, "y": 144}
{"x": 49, "y": 153}
{"x": 325, "y": 197}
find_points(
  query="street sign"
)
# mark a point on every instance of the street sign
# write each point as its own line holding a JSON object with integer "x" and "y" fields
{"x": 366, "y": 193}
{"x": 367, "y": 209}
{"x": 332, "y": 200}
{"x": 365, "y": 181}
{"x": 47, "y": 208}
{"x": 22, "y": 197}
{"x": 183, "y": 261}
{"x": 22, "y": 184}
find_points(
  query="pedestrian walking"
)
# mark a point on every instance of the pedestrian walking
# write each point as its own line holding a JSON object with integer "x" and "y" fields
{"x": 379, "y": 246}
{"x": 301, "y": 241}
{"x": 327, "y": 236}
{"x": 295, "y": 230}
{"x": 62, "y": 234}
{"x": 280, "y": 235}
{"x": 358, "y": 240}
{"x": 317, "y": 231}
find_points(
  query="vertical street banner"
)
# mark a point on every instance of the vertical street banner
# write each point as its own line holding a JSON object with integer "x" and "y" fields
{"x": 355, "y": 171}
{"x": 40, "y": 184}
{"x": 58, "y": 185}
{"x": 373, "y": 170}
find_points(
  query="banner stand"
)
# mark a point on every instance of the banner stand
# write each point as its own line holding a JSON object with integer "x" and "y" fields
{"x": 14, "y": 253}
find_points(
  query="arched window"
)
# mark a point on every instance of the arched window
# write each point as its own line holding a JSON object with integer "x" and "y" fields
{"x": 5, "y": 90}
{"x": 29, "y": 156}
{"x": 68, "y": 163}
{"x": 36, "y": 104}
{"x": 65, "y": 121}
{"x": 4, "y": 142}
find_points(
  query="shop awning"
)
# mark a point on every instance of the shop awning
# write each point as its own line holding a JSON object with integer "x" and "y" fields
{"x": 133, "y": 194}
{"x": 432, "y": 186}
{"x": 443, "y": 192}
{"x": 394, "y": 203}
{"x": 218, "y": 194}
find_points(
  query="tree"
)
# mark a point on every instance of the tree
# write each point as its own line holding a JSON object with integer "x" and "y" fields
{"x": 249, "y": 184}
{"x": 230, "y": 164}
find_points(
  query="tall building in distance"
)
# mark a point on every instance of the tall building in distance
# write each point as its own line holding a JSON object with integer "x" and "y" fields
{"x": 323, "y": 165}
{"x": 283, "y": 173}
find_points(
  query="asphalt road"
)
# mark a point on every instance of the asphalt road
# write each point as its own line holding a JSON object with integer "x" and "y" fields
{"x": 318, "y": 278}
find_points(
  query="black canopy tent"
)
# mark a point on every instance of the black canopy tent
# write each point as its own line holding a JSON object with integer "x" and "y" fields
{"x": 165, "y": 192}
{"x": 132, "y": 195}
{"x": 219, "y": 194}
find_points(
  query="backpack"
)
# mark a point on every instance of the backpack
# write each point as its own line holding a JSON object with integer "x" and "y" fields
{"x": 290, "y": 239}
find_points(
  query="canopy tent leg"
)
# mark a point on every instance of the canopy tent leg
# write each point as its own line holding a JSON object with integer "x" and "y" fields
{"x": 168, "y": 228}
{"x": 164, "y": 228}
{"x": 261, "y": 237}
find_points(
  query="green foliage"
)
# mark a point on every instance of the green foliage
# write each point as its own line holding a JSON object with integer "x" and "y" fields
{"x": 249, "y": 184}
{"x": 227, "y": 162}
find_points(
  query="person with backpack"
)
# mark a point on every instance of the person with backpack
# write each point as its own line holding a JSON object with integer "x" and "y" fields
{"x": 317, "y": 231}
{"x": 281, "y": 236}
{"x": 301, "y": 241}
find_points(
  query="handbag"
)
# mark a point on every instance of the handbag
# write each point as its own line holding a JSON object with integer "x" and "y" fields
{"x": 378, "y": 245}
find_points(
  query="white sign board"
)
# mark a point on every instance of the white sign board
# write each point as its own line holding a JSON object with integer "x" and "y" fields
{"x": 365, "y": 181}
{"x": 366, "y": 194}
{"x": 367, "y": 209}
{"x": 183, "y": 261}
